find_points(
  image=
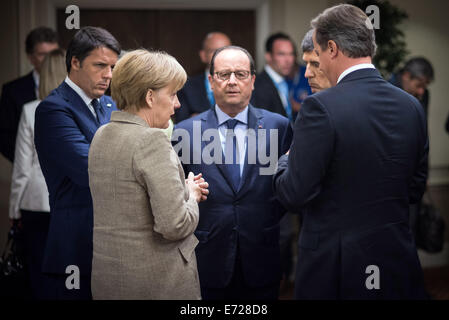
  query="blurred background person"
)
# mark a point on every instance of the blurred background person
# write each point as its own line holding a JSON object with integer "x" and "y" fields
{"x": 196, "y": 96}
{"x": 39, "y": 42}
{"x": 414, "y": 78}
{"x": 145, "y": 212}
{"x": 271, "y": 89}
{"x": 29, "y": 195}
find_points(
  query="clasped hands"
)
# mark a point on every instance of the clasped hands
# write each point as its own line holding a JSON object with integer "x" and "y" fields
{"x": 198, "y": 187}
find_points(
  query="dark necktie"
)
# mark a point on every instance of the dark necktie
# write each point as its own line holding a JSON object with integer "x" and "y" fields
{"x": 231, "y": 142}
{"x": 99, "y": 111}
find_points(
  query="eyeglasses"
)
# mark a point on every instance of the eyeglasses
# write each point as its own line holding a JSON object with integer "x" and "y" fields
{"x": 239, "y": 74}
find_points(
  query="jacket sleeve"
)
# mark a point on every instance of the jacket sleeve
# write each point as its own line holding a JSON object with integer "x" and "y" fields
{"x": 60, "y": 142}
{"x": 157, "y": 168}
{"x": 22, "y": 166}
{"x": 298, "y": 180}
{"x": 8, "y": 123}
{"x": 419, "y": 179}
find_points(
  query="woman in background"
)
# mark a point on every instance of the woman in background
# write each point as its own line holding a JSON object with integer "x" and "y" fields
{"x": 145, "y": 212}
{"x": 29, "y": 195}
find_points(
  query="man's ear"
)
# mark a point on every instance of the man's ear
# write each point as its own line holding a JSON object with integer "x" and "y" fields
{"x": 203, "y": 57}
{"x": 333, "y": 48}
{"x": 211, "y": 82}
{"x": 149, "y": 98}
{"x": 75, "y": 64}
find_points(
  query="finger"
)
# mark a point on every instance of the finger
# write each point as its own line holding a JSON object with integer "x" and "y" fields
{"x": 198, "y": 176}
{"x": 190, "y": 176}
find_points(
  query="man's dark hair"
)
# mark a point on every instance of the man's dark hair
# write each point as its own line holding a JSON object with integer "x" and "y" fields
{"x": 307, "y": 42}
{"x": 419, "y": 68}
{"x": 349, "y": 27}
{"x": 277, "y": 36}
{"x": 251, "y": 60}
{"x": 88, "y": 39}
{"x": 39, "y": 35}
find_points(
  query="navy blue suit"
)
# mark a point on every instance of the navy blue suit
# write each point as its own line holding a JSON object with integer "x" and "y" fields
{"x": 64, "y": 129}
{"x": 238, "y": 224}
{"x": 358, "y": 157}
{"x": 192, "y": 97}
{"x": 14, "y": 95}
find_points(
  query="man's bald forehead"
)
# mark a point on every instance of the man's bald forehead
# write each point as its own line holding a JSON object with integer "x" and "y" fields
{"x": 215, "y": 36}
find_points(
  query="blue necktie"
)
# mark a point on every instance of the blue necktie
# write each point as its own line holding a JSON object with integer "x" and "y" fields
{"x": 231, "y": 141}
{"x": 283, "y": 87}
{"x": 99, "y": 111}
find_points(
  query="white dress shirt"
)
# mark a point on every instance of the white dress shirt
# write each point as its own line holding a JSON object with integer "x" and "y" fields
{"x": 355, "y": 68}
{"x": 36, "y": 78}
{"x": 28, "y": 188}
{"x": 240, "y": 131}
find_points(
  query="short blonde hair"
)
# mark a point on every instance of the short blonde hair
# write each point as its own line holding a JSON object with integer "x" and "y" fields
{"x": 140, "y": 70}
{"x": 53, "y": 72}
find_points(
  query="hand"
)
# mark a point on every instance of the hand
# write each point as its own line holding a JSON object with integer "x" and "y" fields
{"x": 199, "y": 180}
{"x": 194, "y": 188}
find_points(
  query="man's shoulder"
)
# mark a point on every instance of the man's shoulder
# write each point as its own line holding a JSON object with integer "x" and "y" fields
{"x": 20, "y": 83}
{"x": 271, "y": 116}
{"x": 195, "y": 81}
{"x": 187, "y": 124}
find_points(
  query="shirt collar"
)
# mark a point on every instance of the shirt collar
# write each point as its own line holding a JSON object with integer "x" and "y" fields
{"x": 79, "y": 91}
{"x": 276, "y": 77}
{"x": 36, "y": 78}
{"x": 355, "y": 68}
{"x": 223, "y": 117}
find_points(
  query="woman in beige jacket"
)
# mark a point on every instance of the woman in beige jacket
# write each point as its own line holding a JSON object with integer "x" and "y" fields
{"x": 145, "y": 212}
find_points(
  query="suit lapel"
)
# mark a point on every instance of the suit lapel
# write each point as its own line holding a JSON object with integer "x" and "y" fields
{"x": 255, "y": 123}
{"x": 80, "y": 107}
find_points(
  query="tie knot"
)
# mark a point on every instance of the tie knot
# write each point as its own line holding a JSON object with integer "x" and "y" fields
{"x": 231, "y": 123}
{"x": 95, "y": 104}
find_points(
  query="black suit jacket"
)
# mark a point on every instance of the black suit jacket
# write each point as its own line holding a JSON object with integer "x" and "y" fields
{"x": 265, "y": 94}
{"x": 358, "y": 158}
{"x": 193, "y": 98}
{"x": 14, "y": 95}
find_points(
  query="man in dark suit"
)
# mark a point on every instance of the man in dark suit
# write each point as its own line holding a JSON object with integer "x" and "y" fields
{"x": 358, "y": 158}
{"x": 271, "y": 90}
{"x": 15, "y": 94}
{"x": 196, "y": 96}
{"x": 238, "y": 254}
{"x": 66, "y": 122}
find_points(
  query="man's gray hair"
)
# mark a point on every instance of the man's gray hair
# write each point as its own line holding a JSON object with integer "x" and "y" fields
{"x": 307, "y": 42}
{"x": 349, "y": 27}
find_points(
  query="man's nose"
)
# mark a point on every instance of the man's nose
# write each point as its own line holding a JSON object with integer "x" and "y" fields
{"x": 232, "y": 79}
{"x": 108, "y": 73}
{"x": 308, "y": 74}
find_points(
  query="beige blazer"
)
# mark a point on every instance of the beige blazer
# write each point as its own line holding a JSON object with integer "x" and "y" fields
{"x": 143, "y": 242}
